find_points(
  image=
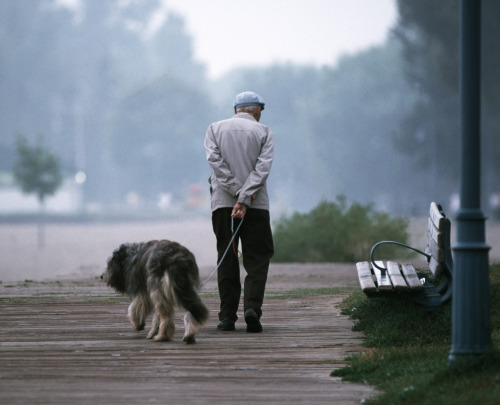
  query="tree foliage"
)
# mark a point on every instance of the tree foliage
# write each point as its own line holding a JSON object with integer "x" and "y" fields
{"x": 334, "y": 129}
{"x": 335, "y": 232}
{"x": 129, "y": 105}
{"x": 157, "y": 138}
{"x": 429, "y": 32}
{"x": 71, "y": 69}
{"x": 36, "y": 170}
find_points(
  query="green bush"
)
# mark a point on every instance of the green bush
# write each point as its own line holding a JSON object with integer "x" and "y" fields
{"x": 336, "y": 232}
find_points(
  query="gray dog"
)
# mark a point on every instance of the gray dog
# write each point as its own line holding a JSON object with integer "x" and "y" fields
{"x": 158, "y": 275}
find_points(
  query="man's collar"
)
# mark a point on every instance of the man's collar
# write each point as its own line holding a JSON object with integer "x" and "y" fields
{"x": 244, "y": 115}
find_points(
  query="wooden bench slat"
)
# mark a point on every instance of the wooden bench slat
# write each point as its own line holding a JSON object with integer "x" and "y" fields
{"x": 435, "y": 267}
{"x": 435, "y": 234}
{"x": 365, "y": 277}
{"x": 435, "y": 250}
{"x": 436, "y": 217}
{"x": 397, "y": 278}
{"x": 383, "y": 281}
{"x": 411, "y": 277}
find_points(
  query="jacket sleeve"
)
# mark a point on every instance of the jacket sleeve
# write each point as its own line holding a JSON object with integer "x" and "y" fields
{"x": 258, "y": 177}
{"x": 224, "y": 177}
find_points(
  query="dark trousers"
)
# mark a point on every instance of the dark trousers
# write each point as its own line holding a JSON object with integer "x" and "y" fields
{"x": 257, "y": 249}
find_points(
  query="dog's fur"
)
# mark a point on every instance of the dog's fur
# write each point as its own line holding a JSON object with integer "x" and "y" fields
{"x": 159, "y": 275}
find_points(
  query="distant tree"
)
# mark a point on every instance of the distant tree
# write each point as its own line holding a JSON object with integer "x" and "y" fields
{"x": 37, "y": 171}
{"x": 33, "y": 75}
{"x": 333, "y": 128}
{"x": 115, "y": 51}
{"x": 157, "y": 139}
{"x": 356, "y": 114}
{"x": 429, "y": 32}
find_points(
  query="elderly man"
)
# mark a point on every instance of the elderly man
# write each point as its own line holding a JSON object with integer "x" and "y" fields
{"x": 240, "y": 152}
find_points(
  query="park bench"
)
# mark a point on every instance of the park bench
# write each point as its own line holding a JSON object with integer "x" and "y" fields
{"x": 380, "y": 278}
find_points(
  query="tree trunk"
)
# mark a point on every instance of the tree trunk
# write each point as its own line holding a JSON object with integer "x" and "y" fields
{"x": 41, "y": 225}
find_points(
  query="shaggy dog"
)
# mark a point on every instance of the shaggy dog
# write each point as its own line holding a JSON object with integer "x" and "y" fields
{"x": 158, "y": 275}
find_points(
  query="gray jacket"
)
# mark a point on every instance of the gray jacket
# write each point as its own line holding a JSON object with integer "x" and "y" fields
{"x": 240, "y": 152}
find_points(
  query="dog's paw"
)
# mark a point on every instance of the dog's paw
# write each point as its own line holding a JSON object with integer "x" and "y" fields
{"x": 189, "y": 339}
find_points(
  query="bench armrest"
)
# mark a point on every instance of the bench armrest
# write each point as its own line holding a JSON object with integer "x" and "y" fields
{"x": 390, "y": 242}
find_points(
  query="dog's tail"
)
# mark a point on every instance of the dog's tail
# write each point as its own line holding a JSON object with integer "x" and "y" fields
{"x": 179, "y": 265}
{"x": 196, "y": 308}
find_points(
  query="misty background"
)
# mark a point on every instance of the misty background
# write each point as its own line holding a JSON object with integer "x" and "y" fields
{"x": 124, "y": 104}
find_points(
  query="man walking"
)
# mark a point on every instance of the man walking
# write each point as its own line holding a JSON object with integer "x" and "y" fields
{"x": 240, "y": 152}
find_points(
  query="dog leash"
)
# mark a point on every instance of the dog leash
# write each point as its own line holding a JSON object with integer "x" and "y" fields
{"x": 227, "y": 249}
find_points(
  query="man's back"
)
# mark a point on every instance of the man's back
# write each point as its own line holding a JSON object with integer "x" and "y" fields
{"x": 240, "y": 151}
{"x": 240, "y": 140}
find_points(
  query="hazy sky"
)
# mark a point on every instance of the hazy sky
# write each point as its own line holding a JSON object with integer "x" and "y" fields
{"x": 235, "y": 33}
{"x": 232, "y": 33}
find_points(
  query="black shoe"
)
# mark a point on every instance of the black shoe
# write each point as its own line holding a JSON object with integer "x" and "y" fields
{"x": 226, "y": 324}
{"x": 252, "y": 320}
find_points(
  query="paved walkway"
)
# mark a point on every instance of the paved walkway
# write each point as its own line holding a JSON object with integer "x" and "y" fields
{"x": 69, "y": 342}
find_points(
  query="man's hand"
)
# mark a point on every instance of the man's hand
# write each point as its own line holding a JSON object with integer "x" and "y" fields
{"x": 239, "y": 211}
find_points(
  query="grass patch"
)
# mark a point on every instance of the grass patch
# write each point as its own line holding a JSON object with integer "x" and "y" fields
{"x": 408, "y": 353}
{"x": 393, "y": 322}
{"x": 306, "y": 292}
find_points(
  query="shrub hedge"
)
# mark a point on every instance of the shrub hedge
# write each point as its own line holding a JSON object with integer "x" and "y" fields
{"x": 337, "y": 232}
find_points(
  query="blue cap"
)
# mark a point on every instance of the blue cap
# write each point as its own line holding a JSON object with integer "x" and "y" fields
{"x": 248, "y": 98}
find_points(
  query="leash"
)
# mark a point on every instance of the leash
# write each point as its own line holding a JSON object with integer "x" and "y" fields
{"x": 227, "y": 249}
